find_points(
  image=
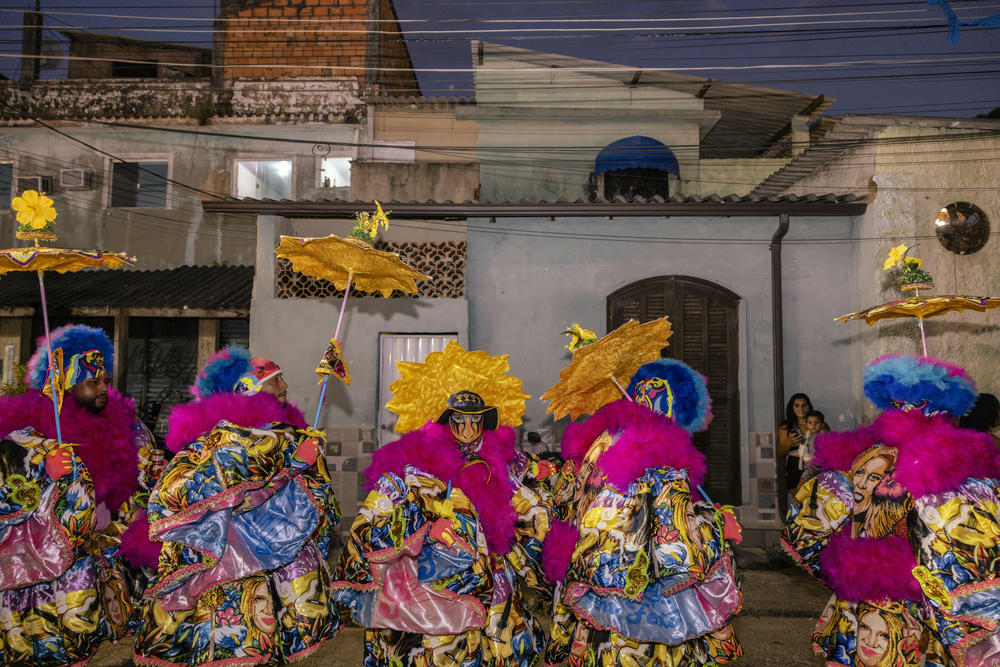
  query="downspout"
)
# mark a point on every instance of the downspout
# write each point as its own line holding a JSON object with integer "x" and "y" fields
{"x": 777, "y": 334}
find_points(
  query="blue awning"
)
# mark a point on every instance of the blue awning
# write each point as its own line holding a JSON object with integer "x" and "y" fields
{"x": 636, "y": 153}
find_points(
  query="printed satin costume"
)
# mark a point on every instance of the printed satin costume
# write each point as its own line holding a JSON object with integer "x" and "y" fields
{"x": 244, "y": 511}
{"x": 439, "y": 552}
{"x": 902, "y": 525}
{"x": 647, "y": 574}
{"x": 63, "y": 589}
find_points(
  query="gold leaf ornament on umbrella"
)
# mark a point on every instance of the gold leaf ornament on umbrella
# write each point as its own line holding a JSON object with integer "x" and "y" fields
{"x": 349, "y": 262}
{"x": 422, "y": 390}
{"x": 599, "y": 371}
{"x": 920, "y": 307}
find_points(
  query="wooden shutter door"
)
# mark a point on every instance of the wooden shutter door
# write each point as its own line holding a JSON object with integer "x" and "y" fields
{"x": 703, "y": 317}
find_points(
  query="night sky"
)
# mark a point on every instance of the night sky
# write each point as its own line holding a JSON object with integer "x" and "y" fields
{"x": 873, "y": 57}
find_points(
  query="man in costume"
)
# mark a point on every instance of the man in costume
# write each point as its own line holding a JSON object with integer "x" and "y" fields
{"x": 104, "y": 466}
{"x": 244, "y": 510}
{"x": 902, "y": 525}
{"x": 444, "y": 544}
{"x": 646, "y": 572}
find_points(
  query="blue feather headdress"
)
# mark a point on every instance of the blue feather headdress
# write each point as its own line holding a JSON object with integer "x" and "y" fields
{"x": 222, "y": 372}
{"x": 908, "y": 382}
{"x": 73, "y": 339}
{"x": 674, "y": 389}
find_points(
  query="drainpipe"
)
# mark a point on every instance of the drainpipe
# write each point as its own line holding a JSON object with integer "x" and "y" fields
{"x": 777, "y": 333}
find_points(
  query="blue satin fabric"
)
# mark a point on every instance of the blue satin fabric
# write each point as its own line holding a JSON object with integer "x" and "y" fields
{"x": 436, "y": 562}
{"x": 663, "y": 619}
{"x": 273, "y": 532}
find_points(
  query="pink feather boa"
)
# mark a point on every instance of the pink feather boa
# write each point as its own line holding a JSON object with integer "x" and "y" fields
{"x": 137, "y": 549}
{"x": 191, "y": 420}
{"x": 558, "y": 548}
{"x": 866, "y": 568}
{"x": 645, "y": 439}
{"x": 105, "y": 442}
{"x": 934, "y": 454}
{"x": 432, "y": 449}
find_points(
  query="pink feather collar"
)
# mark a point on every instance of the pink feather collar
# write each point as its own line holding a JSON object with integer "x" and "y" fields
{"x": 105, "y": 441}
{"x": 432, "y": 449}
{"x": 934, "y": 454}
{"x": 643, "y": 439}
{"x": 191, "y": 420}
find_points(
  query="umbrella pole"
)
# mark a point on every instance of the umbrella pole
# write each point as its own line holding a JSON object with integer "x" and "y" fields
{"x": 48, "y": 348}
{"x": 620, "y": 387}
{"x": 920, "y": 323}
{"x": 336, "y": 334}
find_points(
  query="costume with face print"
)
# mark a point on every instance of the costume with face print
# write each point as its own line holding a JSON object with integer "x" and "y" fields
{"x": 445, "y": 549}
{"x": 254, "y": 579}
{"x": 901, "y": 523}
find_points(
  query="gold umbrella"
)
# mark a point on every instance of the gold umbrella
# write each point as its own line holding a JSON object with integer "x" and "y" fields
{"x": 35, "y": 214}
{"x": 423, "y": 388}
{"x": 59, "y": 259}
{"x": 350, "y": 262}
{"x": 921, "y": 307}
{"x": 597, "y": 372}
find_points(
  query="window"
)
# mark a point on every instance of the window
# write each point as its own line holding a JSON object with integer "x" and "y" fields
{"x": 634, "y": 166}
{"x": 140, "y": 184}
{"x": 124, "y": 70}
{"x": 263, "y": 179}
{"x": 335, "y": 172}
{"x": 962, "y": 228}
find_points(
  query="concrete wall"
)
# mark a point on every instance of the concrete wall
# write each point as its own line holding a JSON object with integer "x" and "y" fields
{"x": 414, "y": 181}
{"x": 534, "y": 278}
{"x": 429, "y": 123}
{"x": 729, "y": 176}
{"x": 911, "y": 180}
{"x": 161, "y": 237}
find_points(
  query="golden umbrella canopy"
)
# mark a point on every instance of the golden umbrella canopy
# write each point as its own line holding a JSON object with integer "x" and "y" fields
{"x": 592, "y": 379}
{"x": 350, "y": 260}
{"x": 422, "y": 390}
{"x": 59, "y": 259}
{"x": 921, "y": 307}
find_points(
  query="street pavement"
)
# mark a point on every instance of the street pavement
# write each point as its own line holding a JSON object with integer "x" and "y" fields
{"x": 781, "y": 604}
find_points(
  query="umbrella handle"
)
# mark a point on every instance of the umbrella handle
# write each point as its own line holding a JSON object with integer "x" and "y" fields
{"x": 48, "y": 348}
{"x": 336, "y": 334}
{"x": 920, "y": 323}
{"x": 620, "y": 387}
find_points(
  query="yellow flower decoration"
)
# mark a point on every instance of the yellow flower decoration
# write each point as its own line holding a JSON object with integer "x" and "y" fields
{"x": 914, "y": 262}
{"x": 421, "y": 393}
{"x": 895, "y": 255}
{"x": 580, "y": 337}
{"x": 34, "y": 210}
{"x": 445, "y": 508}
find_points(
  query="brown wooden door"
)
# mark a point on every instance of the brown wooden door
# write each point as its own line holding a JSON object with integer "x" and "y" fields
{"x": 703, "y": 317}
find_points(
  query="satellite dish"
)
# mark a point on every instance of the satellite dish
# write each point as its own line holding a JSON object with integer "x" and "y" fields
{"x": 52, "y": 53}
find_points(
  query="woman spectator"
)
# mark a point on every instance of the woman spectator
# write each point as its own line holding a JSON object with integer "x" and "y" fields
{"x": 791, "y": 436}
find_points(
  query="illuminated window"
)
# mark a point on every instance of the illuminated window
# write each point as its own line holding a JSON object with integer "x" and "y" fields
{"x": 335, "y": 172}
{"x": 263, "y": 179}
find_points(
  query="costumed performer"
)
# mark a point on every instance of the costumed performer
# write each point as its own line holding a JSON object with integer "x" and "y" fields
{"x": 244, "y": 510}
{"x": 902, "y": 525}
{"x": 646, "y": 572}
{"x": 117, "y": 465}
{"x": 448, "y": 540}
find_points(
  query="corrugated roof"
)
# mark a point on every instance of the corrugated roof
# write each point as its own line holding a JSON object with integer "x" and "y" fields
{"x": 185, "y": 288}
{"x": 854, "y": 131}
{"x": 711, "y": 205}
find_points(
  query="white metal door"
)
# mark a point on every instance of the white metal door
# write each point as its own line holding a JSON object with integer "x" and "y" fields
{"x": 400, "y": 347}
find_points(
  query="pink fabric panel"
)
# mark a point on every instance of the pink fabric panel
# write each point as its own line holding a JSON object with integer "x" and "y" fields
{"x": 404, "y": 604}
